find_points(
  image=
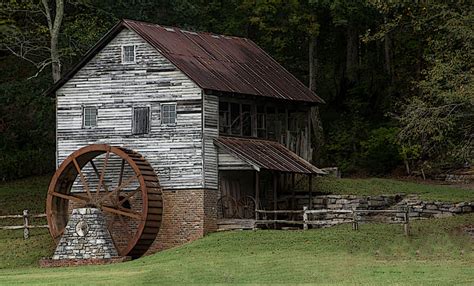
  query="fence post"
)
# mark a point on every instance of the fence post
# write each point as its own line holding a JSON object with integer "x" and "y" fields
{"x": 305, "y": 218}
{"x": 355, "y": 223}
{"x": 26, "y": 230}
{"x": 406, "y": 224}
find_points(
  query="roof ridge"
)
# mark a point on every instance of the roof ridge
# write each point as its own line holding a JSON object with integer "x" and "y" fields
{"x": 186, "y": 30}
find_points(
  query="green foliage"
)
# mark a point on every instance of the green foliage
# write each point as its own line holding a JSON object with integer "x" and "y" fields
{"x": 381, "y": 152}
{"x": 380, "y": 65}
{"x": 437, "y": 118}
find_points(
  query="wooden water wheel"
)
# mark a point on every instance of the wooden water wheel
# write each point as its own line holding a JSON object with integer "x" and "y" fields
{"x": 116, "y": 180}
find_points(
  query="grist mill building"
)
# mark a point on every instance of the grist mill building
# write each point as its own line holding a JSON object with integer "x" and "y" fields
{"x": 225, "y": 128}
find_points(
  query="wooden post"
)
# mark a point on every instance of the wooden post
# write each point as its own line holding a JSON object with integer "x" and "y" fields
{"x": 310, "y": 187}
{"x": 305, "y": 218}
{"x": 275, "y": 197}
{"x": 26, "y": 230}
{"x": 293, "y": 200}
{"x": 257, "y": 194}
{"x": 406, "y": 224}
{"x": 355, "y": 223}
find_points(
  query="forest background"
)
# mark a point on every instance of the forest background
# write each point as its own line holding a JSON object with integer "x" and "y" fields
{"x": 397, "y": 76}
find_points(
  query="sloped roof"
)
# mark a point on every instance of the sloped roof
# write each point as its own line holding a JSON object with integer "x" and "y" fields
{"x": 213, "y": 62}
{"x": 266, "y": 154}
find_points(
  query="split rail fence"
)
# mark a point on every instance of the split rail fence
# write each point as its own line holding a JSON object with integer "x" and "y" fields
{"x": 26, "y": 223}
{"x": 305, "y": 212}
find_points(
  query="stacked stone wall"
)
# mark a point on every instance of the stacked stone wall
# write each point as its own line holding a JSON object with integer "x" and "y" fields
{"x": 418, "y": 209}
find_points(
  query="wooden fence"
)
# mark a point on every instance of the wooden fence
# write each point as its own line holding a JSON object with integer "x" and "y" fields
{"x": 305, "y": 212}
{"x": 26, "y": 223}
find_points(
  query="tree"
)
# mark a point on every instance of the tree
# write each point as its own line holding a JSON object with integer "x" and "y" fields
{"x": 30, "y": 31}
{"x": 437, "y": 117}
{"x": 54, "y": 25}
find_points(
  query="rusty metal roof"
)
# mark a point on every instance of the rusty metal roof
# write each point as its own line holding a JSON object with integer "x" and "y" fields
{"x": 214, "y": 62}
{"x": 266, "y": 154}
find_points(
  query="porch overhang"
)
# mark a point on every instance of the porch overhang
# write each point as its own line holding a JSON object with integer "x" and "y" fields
{"x": 264, "y": 154}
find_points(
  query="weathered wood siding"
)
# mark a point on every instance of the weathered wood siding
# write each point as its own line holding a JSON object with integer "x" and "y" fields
{"x": 175, "y": 151}
{"x": 211, "y": 131}
{"x": 228, "y": 161}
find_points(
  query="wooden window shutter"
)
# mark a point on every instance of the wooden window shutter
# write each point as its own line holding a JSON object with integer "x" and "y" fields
{"x": 141, "y": 120}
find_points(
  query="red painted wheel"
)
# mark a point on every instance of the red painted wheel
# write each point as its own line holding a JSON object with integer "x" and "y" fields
{"x": 118, "y": 181}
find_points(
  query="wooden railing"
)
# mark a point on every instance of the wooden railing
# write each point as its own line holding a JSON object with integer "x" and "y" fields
{"x": 305, "y": 212}
{"x": 26, "y": 223}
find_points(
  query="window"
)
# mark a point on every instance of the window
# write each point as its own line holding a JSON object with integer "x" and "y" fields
{"x": 168, "y": 113}
{"x": 89, "y": 116}
{"x": 224, "y": 119}
{"x": 128, "y": 54}
{"x": 141, "y": 120}
{"x": 246, "y": 120}
{"x": 261, "y": 122}
{"x": 235, "y": 119}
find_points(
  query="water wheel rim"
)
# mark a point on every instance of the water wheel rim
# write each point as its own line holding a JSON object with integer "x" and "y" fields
{"x": 64, "y": 178}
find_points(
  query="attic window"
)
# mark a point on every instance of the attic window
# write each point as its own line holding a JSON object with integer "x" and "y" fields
{"x": 141, "y": 120}
{"x": 128, "y": 54}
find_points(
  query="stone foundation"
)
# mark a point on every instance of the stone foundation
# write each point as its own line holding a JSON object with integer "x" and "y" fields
{"x": 47, "y": 262}
{"x": 85, "y": 237}
{"x": 187, "y": 216}
{"x": 419, "y": 209}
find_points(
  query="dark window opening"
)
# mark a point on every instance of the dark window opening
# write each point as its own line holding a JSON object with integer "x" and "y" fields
{"x": 246, "y": 120}
{"x": 261, "y": 122}
{"x": 224, "y": 117}
{"x": 235, "y": 119}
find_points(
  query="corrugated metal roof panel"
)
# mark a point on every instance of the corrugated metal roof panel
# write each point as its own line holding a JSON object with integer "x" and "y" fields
{"x": 222, "y": 63}
{"x": 266, "y": 155}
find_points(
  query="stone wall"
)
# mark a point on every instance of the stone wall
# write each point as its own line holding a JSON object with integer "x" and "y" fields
{"x": 85, "y": 237}
{"x": 187, "y": 216}
{"x": 418, "y": 209}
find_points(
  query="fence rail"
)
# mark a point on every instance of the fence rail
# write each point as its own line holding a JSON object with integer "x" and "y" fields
{"x": 354, "y": 219}
{"x": 26, "y": 223}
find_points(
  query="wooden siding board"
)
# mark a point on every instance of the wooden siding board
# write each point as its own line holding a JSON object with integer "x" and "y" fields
{"x": 210, "y": 131}
{"x": 175, "y": 152}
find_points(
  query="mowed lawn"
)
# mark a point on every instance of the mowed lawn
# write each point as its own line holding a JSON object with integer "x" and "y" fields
{"x": 438, "y": 252}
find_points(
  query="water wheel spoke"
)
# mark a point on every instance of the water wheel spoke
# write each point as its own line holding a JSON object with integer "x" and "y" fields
{"x": 58, "y": 234}
{"x": 125, "y": 226}
{"x": 74, "y": 198}
{"x": 101, "y": 175}
{"x": 129, "y": 195}
{"x": 117, "y": 190}
{"x": 122, "y": 167}
{"x": 111, "y": 222}
{"x": 123, "y": 212}
{"x": 83, "y": 179}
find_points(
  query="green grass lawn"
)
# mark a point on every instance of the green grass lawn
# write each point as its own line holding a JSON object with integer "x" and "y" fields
{"x": 437, "y": 253}
{"x": 377, "y": 186}
{"x": 376, "y": 254}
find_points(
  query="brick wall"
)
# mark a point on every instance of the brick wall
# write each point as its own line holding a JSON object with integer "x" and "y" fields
{"x": 187, "y": 216}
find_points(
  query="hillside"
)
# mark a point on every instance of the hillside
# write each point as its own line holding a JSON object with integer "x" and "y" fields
{"x": 438, "y": 252}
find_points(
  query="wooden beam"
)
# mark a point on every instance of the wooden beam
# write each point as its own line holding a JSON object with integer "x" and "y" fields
{"x": 310, "y": 187}
{"x": 257, "y": 193}
{"x": 275, "y": 196}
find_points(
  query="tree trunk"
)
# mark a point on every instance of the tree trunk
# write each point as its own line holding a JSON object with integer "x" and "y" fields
{"x": 352, "y": 54}
{"x": 388, "y": 54}
{"x": 317, "y": 127}
{"x": 55, "y": 61}
{"x": 54, "y": 27}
